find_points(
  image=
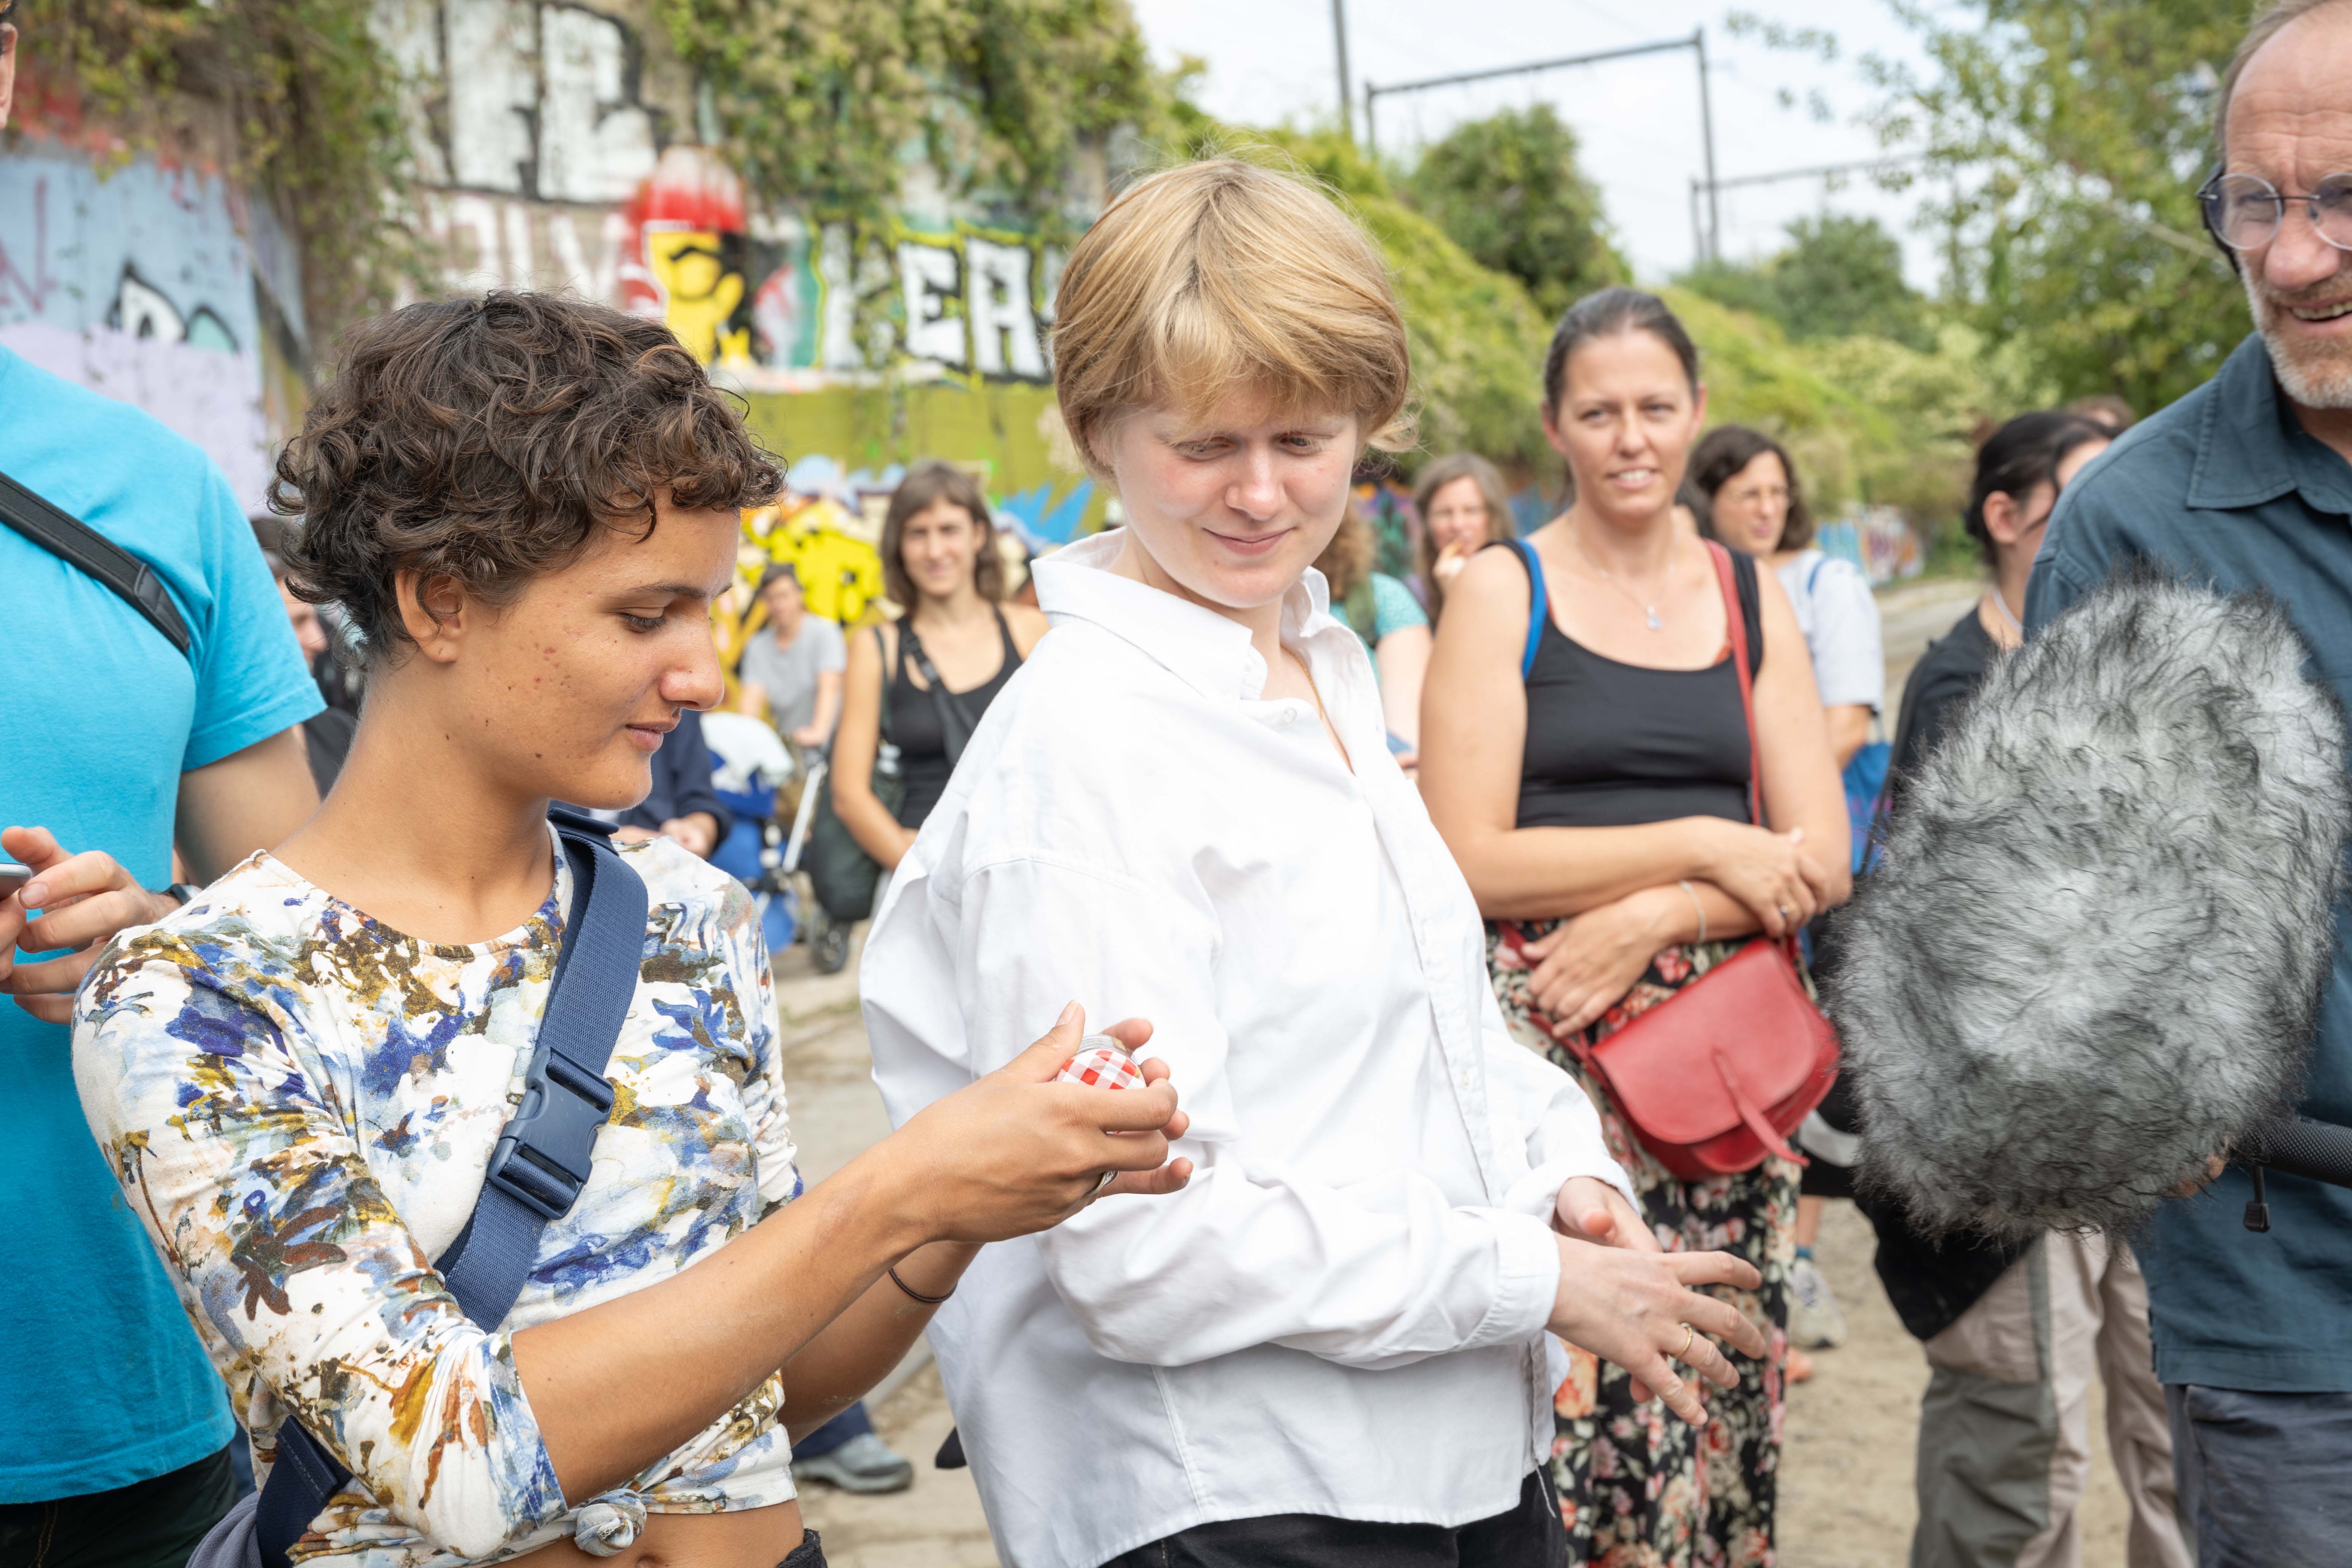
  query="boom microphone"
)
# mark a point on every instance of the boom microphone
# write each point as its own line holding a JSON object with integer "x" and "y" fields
{"x": 2317, "y": 1150}
{"x": 2092, "y": 955}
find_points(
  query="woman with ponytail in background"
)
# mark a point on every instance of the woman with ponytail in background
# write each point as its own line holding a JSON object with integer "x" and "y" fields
{"x": 1589, "y": 766}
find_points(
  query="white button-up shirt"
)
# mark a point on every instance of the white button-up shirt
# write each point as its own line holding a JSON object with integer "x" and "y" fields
{"x": 1342, "y": 1313}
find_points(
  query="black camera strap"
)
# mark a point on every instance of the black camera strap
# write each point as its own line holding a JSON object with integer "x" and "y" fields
{"x": 72, "y": 540}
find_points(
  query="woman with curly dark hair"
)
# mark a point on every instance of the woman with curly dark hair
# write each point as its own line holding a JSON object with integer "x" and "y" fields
{"x": 307, "y": 1076}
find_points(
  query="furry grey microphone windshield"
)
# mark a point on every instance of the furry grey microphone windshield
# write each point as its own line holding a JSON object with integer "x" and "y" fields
{"x": 2093, "y": 953}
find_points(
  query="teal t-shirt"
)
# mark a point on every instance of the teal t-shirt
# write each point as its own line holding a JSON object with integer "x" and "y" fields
{"x": 1391, "y": 608}
{"x": 103, "y": 1383}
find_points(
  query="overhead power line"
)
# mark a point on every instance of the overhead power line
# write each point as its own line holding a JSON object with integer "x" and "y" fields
{"x": 1710, "y": 188}
{"x": 1696, "y": 42}
{"x": 1817, "y": 172}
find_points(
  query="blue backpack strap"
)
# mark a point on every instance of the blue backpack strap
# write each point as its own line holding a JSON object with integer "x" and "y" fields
{"x": 543, "y": 1155}
{"x": 1538, "y": 603}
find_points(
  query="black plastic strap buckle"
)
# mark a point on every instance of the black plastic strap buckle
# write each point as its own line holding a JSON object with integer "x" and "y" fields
{"x": 543, "y": 1154}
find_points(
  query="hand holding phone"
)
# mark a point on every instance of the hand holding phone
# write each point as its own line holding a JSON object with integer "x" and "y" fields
{"x": 13, "y": 877}
{"x": 84, "y": 898}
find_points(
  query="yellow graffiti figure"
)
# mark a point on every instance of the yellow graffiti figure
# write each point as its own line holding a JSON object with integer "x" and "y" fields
{"x": 831, "y": 550}
{"x": 702, "y": 290}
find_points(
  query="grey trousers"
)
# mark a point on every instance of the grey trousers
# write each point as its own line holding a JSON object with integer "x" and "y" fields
{"x": 2266, "y": 1478}
{"x": 2005, "y": 1427}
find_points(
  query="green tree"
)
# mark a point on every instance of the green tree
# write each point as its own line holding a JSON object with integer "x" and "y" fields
{"x": 296, "y": 99}
{"x": 1837, "y": 277}
{"x": 2070, "y": 140}
{"x": 819, "y": 101}
{"x": 1508, "y": 190}
{"x": 1741, "y": 285}
{"x": 1867, "y": 418}
{"x": 1843, "y": 276}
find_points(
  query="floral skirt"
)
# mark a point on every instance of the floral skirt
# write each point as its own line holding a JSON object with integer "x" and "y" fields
{"x": 1638, "y": 1488}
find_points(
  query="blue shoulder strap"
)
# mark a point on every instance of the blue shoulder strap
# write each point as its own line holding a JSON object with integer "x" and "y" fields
{"x": 1538, "y": 603}
{"x": 543, "y": 1155}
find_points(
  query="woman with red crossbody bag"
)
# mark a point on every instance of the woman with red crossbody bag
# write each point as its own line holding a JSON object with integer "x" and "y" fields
{"x": 1623, "y": 746}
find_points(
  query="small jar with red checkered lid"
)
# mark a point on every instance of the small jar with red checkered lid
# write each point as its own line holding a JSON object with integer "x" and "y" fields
{"x": 1103, "y": 1063}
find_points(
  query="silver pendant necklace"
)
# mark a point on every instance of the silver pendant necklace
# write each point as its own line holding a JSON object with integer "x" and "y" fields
{"x": 2016, "y": 626}
{"x": 1649, "y": 611}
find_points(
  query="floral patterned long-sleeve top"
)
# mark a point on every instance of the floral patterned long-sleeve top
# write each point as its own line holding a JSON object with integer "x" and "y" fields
{"x": 301, "y": 1104}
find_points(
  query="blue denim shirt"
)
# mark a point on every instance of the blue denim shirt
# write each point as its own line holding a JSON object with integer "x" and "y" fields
{"x": 2226, "y": 487}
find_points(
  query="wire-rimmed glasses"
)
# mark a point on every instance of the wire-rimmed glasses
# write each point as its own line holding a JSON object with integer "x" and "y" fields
{"x": 2244, "y": 210}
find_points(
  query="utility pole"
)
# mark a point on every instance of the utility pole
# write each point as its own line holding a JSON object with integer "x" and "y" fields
{"x": 1347, "y": 90}
{"x": 1706, "y": 130}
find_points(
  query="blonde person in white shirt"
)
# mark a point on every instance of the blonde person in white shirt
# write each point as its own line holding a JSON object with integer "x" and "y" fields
{"x": 1330, "y": 1348}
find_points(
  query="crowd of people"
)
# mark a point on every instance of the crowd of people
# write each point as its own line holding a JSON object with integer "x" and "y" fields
{"x": 393, "y": 1133}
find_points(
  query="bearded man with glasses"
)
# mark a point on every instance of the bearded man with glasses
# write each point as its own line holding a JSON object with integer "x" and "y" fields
{"x": 2247, "y": 483}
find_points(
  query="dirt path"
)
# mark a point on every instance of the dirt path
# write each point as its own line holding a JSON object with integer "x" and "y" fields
{"x": 1850, "y": 1439}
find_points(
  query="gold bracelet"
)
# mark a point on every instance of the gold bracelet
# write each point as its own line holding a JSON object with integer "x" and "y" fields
{"x": 1701, "y": 907}
{"x": 918, "y": 1295}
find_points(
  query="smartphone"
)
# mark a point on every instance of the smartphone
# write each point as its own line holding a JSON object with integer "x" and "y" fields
{"x": 13, "y": 877}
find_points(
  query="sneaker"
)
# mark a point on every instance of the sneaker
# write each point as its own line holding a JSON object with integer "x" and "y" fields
{"x": 1814, "y": 1321}
{"x": 863, "y": 1464}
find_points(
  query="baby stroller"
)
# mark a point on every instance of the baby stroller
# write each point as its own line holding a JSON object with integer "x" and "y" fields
{"x": 828, "y": 938}
{"x": 750, "y": 765}
{"x": 755, "y": 767}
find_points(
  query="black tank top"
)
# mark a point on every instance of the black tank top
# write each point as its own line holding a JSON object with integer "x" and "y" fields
{"x": 1616, "y": 745}
{"x": 915, "y": 726}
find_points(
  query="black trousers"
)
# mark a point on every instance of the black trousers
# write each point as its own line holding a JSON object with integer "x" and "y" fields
{"x": 1526, "y": 1536}
{"x": 153, "y": 1523}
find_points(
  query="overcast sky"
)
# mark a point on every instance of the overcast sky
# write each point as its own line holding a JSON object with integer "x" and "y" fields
{"x": 1273, "y": 60}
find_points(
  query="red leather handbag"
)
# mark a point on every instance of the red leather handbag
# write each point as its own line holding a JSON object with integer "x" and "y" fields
{"x": 1717, "y": 1076}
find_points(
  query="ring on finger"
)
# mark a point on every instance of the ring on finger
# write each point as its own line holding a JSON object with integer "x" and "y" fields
{"x": 1107, "y": 1178}
{"x": 1690, "y": 1337}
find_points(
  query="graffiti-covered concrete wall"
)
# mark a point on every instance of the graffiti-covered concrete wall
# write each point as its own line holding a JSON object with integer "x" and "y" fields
{"x": 559, "y": 148}
{"x": 157, "y": 285}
